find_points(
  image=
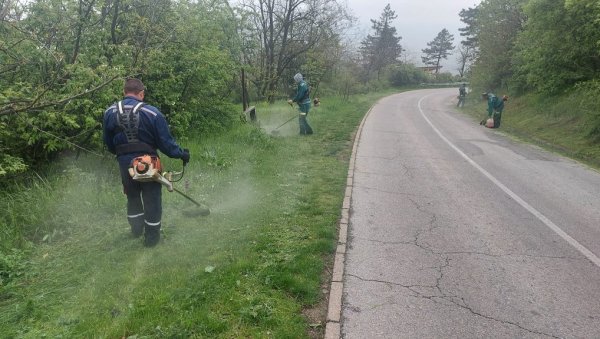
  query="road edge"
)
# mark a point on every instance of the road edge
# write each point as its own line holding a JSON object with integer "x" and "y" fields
{"x": 333, "y": 327}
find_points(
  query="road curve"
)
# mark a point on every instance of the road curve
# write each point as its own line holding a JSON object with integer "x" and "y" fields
{"x": 456, "y": 231}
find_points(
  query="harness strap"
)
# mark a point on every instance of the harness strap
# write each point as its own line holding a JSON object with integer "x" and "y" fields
{"x": 134, "y": 147}
{"x": 129, "y": 122}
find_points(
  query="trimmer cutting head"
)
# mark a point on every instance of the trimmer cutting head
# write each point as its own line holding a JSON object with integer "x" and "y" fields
{"x": 198, "y": 211}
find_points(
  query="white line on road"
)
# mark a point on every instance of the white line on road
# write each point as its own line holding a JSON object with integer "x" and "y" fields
{"x": 587, "y": 253}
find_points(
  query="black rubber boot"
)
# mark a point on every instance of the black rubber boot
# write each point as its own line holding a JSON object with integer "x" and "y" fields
{"x": 151, "y": 235}
{"x": 137, "y": 228}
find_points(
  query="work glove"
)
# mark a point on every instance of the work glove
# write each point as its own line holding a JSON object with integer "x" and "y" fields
{"x": 290, "y": 102}
{"x": 186, "y": 156}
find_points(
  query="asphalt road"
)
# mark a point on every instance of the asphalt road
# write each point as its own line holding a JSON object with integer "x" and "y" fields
{"x": 457, "y": 231}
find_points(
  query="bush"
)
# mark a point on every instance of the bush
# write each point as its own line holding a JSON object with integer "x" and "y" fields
{"x": 406, "y": 75}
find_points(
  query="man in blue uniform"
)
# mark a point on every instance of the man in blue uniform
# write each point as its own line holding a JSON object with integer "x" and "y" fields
{"x": 302, "y": 98}
{"x": 132, "y": 128}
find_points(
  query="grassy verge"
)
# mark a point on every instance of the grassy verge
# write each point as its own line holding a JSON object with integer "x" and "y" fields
{"x": 558, "y": 123}
{"x": 253, "y": 268}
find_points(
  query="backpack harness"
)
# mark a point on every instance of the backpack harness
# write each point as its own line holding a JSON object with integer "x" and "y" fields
{"x": 146, "y": 167}
{"x": 129, "y": 122}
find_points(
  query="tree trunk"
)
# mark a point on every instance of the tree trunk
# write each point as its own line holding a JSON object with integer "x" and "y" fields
{"x": 83, "y": 18}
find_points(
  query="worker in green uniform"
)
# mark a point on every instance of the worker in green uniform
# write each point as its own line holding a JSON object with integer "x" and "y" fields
{"x": 495, "y": 108}
{"x": 462, "y": 94}
{"x": 302, "y": 98}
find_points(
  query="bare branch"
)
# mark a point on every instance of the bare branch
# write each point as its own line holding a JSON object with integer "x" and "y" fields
{"x": 9, "y": 108}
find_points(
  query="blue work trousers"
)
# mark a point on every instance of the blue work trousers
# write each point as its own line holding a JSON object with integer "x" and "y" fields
{"x": 144, "y": 199}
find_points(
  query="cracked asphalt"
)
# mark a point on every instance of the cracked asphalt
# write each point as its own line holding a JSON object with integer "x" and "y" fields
{"x": 436, "y": 249}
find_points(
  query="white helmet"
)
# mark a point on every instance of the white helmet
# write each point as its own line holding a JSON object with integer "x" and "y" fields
{"x": 298, "y": 77}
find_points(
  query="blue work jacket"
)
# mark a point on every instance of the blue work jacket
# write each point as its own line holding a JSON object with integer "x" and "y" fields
{"x": 152, "y": 130}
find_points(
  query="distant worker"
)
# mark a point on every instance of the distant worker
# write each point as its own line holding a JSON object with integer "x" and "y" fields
{"x": 134, "y": 130}
{"x": 462, "y": 93}
{"x": 302, "y": 98}
{"x": 494, "y": 111}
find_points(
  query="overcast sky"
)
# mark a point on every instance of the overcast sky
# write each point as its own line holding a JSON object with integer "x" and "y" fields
{"x": 418, "y": 22}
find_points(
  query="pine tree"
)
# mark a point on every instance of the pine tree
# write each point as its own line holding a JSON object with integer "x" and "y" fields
{"x": 383, "y": 48}
{"x": 438, "y": 49}
{"x": 470, "y": 32}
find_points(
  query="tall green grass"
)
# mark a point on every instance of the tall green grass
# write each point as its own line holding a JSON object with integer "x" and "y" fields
{"x": 68, "y": 267}
{"x": 247, "y": 270}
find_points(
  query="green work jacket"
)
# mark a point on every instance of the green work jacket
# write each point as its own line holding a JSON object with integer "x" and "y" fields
{"x": 495, "y": 104}
{"x": 302, "y": 95}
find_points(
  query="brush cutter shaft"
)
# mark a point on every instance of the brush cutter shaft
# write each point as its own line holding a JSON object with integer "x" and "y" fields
{"x": 292, "y": 118}
{"x": 187, "y": 197}
{"x": 155, "y": 176}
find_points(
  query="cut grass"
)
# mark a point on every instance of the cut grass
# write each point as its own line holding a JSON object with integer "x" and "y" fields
{"x": 247, "y": 270}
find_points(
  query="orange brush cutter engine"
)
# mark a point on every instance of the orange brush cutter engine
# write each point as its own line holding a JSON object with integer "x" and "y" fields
{"x": 148, "y": 168}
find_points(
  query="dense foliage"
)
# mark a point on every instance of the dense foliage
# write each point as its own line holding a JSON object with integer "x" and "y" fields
{"x": 63, "y": 63}
{"x": 406, "y": 75}
{"x": 559, "y": 46}
{"x": 498, "y": 22}
{"x": 545, "y": 47}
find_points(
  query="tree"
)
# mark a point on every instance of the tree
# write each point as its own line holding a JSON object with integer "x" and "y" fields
{"x": 320, "y": 62}
{"x": 498, "y": 23}
{"x": 438, "y": 49}
{"x": 559, "y": 45}
{"x": 63, "y": 61}
{"x": 465, "y": 57}
{"x": 470, "y": 32}
{"x": 383, "y": 48}
{"x": 281, "y": 32}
